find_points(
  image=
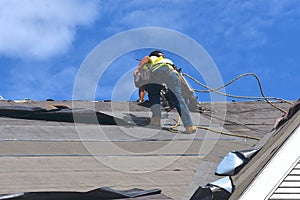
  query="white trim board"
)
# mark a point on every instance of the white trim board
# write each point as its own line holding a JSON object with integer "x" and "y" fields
{"x": 275, "y": 171}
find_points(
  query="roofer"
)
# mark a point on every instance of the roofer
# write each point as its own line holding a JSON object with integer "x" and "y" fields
{"x": 162, "y": 71}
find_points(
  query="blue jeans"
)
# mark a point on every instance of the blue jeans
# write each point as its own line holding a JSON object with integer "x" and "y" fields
{"x": 171, "y": 79}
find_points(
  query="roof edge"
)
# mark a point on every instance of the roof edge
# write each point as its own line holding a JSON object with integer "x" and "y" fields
{"x": 243, "y": 179}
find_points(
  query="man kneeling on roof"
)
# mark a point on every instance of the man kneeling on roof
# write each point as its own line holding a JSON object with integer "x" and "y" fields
{"x": 162, "y": 71}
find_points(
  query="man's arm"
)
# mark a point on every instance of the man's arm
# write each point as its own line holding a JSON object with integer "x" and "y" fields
{"x": 144, "y": 61}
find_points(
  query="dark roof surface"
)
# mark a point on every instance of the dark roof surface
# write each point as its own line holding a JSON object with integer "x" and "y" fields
{"x": 47, "y": 155}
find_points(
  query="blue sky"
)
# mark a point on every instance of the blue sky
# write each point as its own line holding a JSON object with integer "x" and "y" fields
{"x": 44, "y": 43}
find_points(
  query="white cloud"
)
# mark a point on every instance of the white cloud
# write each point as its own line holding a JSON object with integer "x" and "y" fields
{"x": 232, "y": 21}
{"x": 42, "y": 29}
{"x": 138, "y": 13}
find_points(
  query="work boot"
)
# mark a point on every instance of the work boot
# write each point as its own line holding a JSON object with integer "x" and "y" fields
{"x": 155, "y": 121}
{"x": 190, "y": 129}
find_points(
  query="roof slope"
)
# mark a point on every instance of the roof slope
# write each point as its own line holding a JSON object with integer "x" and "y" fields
{"x": 47, "y": 155}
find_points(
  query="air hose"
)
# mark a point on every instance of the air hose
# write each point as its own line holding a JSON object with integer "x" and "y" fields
{"x": 216, "y": 90}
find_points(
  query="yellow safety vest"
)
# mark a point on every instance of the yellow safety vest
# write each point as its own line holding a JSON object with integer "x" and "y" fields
{"x": 158, "y": 62}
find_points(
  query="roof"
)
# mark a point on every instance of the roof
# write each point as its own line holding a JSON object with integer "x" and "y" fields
{"x": 52, "y": 155}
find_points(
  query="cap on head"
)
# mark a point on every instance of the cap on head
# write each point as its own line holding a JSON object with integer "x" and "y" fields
{"x": 156, "y": 53}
